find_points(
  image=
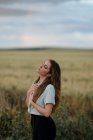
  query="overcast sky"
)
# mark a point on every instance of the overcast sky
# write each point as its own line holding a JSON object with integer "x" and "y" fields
{"x": 34, "y": 23}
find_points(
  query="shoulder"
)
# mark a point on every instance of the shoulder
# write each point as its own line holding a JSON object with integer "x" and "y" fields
{"x": 49, "y": 96}
{"x": 50, "y": 87}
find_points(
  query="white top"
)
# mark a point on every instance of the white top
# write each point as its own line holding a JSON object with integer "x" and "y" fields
{"x": 48, "y": 96}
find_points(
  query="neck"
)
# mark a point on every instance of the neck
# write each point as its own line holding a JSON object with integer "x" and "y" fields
{"x": 42, "y": 79}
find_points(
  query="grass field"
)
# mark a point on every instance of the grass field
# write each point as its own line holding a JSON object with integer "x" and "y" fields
{"x": 18, "y": 70}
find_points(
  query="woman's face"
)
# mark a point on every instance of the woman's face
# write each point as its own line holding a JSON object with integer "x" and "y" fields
{"x": 44, "y": 68}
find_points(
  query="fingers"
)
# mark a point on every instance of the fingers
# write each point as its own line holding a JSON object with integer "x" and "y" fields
{"x": 34, "y": 87}
{"x": 32, "y": 90}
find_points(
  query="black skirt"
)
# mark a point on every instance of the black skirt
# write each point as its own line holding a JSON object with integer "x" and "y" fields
{"x": 43, "y": 128}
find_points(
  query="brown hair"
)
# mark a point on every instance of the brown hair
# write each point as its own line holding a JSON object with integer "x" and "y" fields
{"x": 55, "y": 80}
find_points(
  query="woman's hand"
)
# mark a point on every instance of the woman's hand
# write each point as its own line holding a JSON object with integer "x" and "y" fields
{"x": 32, "y": 89}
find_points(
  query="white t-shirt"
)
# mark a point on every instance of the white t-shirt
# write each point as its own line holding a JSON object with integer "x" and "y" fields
{"x": 48, "y": 96}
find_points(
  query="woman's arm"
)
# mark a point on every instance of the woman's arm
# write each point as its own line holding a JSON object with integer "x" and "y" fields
{"x": 27, "y": 99}
{"x": 46, "y": 111}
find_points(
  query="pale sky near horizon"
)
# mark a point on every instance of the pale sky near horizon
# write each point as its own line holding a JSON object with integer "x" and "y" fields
{"x": 34, "y": 23}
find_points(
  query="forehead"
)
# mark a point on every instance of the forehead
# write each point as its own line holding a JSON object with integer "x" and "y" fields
{"x": 47, "y": 63}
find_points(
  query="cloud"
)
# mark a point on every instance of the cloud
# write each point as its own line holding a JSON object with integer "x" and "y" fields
{"x": 7, "y": 37}
{"x": 7, "y": 1}
{"x": 61, "y": 24}
{"x": 30, "y": 1}
{"x": 75, "y": 39}
{"x": 71, "y": 39}
{"x": 26, "y": 39}
{"x": 87, "y": 1}
{"x": 14, "y": 12}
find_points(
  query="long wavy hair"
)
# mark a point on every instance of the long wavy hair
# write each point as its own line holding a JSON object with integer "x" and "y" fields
{"x": 54, "y": 79}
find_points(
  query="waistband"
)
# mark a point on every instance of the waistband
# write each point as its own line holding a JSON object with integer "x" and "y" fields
{"x": 39, "y": 116}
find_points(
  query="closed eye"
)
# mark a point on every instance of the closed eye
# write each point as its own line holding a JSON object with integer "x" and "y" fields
{"x": 45, "y": 66}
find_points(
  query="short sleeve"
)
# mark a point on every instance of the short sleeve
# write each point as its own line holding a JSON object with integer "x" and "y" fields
{"x": 49, "y": 95}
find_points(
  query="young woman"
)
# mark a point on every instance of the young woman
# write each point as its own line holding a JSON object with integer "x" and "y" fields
{"x": 43, "y": 98}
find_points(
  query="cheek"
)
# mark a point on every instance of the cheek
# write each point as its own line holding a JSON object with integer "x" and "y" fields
{"x": 44, "y": 72}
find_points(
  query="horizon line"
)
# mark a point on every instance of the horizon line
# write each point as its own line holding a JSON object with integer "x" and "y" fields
{"x": 44, "y": 48}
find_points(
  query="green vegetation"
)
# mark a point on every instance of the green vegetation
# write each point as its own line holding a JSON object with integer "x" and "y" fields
{"x": 74, "y": 117}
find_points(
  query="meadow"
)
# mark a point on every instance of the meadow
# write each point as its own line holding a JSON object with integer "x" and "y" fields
{"x": 74, "y": 117}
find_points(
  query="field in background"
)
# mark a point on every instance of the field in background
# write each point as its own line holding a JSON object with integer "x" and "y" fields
{"x": 18, "y": 70}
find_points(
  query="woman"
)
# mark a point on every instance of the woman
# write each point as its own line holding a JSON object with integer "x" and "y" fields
{"x": 43, "y": 98}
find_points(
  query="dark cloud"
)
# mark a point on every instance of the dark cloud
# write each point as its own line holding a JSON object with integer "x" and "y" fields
{"x": 54, "y": 1}
{"x": 14, "y": 12}
{"x": 30, "y": 1}
{"x": 8, "y": 1}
